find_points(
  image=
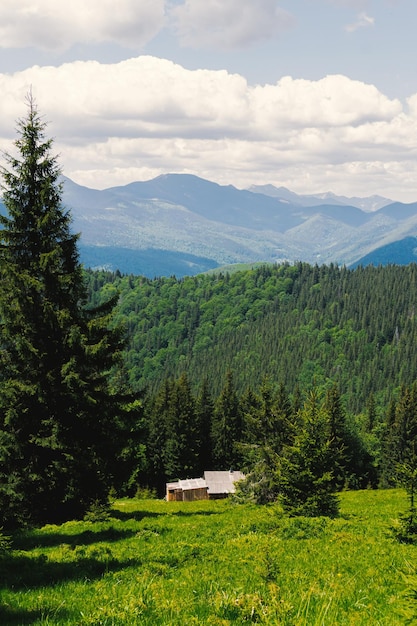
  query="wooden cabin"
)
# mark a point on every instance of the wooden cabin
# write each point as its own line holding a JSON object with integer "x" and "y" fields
{"x": 187, "y": 490}
{"x": 213, "y": 486}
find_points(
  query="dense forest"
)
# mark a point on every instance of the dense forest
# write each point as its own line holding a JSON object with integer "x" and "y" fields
{"x": 231, "y": 369}
{"x": 297, "y": 324}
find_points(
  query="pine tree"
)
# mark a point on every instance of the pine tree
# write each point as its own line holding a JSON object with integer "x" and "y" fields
{"x": 227, "y": 426}
{"x": 339, "y": 436}
{"x": 267, "y": 421}
{"x": 388, "y": 441}
{"x": 204, "y": 411}
{"x": 370, "y": 413}
{"x": 59, "y": 422}
{"x": 183, "y": 438}
{"x": 402, "y": 428}
{"x": 307, "y": 484}
{"x": 353, "y": 464}
{"x": 158, "y": 410}
{"x": 269, "y": 429}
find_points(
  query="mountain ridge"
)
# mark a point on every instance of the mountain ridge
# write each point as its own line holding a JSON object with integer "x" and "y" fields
{"x": 181, "y": 224}
{"x": 369, "y": 203}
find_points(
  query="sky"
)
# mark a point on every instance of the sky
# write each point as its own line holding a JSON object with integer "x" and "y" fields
{"x": 312, "y": 95}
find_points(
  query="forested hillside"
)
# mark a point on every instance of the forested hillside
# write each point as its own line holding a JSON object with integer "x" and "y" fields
{"x": 304, "y": 368}
{"x": 299, "y": 324}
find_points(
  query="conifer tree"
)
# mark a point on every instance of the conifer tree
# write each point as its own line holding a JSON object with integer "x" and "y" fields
{"x": 353, "y": 466}
{"x": 227, "y": 426}
{"x": 402, "y": 428}
{"x": 158, "y": 424}
{"x": 182, "y": 443}
{"x": 388, "y": 441}
{"x": 204, "y": 411}
{"x": 307, "y": 485}
{"x": 339, "y": 436}
{"x": 268, "y": 431}
{"x": 59, "y": 422}
{"x": 370, "y": 413}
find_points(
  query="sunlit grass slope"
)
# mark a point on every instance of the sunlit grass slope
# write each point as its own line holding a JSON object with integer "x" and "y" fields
{"x": 214, "y": 563}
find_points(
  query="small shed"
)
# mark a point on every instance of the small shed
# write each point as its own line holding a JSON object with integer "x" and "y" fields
{"x": 187, "y": 490}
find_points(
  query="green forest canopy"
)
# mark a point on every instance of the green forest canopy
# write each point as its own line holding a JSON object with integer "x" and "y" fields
{"x": 300, "y": 325}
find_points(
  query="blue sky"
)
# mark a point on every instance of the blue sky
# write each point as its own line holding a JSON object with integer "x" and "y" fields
{"x": 315, "y": 95}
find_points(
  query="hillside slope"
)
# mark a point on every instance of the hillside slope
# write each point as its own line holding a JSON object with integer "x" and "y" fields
{"x": 297, "y": 324}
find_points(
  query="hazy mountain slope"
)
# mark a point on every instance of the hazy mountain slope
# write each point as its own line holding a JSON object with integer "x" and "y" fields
{"x": 151, "y": 263}
{"x": 348, "y": 215}
{"x": 399, "y": 211}
{"x": 187, "y": 215}
{"x": 400, "y": 252}
{"x": 181, "y": 224}
{"x": 184, "y": 214}
{"x": 211, "y": 201}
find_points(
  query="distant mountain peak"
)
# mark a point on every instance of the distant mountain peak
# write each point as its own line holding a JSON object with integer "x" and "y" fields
{"x": 369, "y": 203}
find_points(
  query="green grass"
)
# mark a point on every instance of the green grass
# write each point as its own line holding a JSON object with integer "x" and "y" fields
{"x": 158, "y": 563}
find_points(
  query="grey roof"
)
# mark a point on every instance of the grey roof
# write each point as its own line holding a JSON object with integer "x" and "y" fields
{"x": 188, "y": 483}
{"x": 222, "y": 482}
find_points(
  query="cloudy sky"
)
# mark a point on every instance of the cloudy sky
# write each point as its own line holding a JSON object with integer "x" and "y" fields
{"x": 315, "y": 95}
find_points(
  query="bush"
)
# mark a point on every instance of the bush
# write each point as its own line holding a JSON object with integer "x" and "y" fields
{"x": 98, "y": 512}
{"x": 4, "y": 543}
{"x": 145, "y": 493}
{"x": 405, "y": 528}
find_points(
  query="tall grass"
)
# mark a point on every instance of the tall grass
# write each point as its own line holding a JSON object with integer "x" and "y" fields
{"x": 215, "y": 563}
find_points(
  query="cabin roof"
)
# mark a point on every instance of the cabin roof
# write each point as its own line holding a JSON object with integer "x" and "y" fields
{"x": 222, "y": 482}
{"x": 188, "y": 483}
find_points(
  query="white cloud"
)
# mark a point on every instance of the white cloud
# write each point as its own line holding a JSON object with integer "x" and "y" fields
{"x": 330, "y": 102}
{"x": 54, "y": 25}
{"x": 228, "y": 24}
{"x": 146, "y": 96}
{"x": 363, "y": 21}
{"x": 145, "y": 116}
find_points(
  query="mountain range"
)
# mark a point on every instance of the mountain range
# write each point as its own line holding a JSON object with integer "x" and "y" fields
{"x": 180, "y": 224}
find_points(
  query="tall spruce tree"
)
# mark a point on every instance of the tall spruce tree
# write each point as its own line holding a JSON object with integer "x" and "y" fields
{"x": 306, "y": 474}
{"x": 268, "y": 431}
{"x": 158, "y": 409}
{"x": 227, "y": 426}
{"x": 59, "y": 422}
{"x": 204, "y": 411}
{"x": 182, "y": 444}
{"x": 339, "y": 436}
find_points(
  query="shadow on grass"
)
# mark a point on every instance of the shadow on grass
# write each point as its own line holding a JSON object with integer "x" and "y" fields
{"x": 22, "y": 618}
{"x": 19, "y": 572}
{"x": 35, "y": 539}
{"x": 138, "y": 516}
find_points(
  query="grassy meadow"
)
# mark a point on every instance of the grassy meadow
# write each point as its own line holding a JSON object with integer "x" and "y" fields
{"x": 167, "y": 563}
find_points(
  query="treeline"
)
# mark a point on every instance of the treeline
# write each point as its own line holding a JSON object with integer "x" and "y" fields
{"x": 297, "y": 324}
{"x": 184, "y": 433}
{"x": 285, "y": 442}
